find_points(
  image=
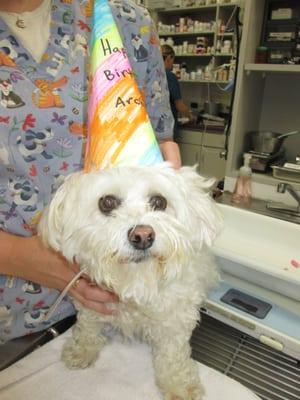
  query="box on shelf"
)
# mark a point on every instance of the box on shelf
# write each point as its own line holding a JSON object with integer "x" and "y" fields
{"x": 282, "y": 13}
{"x": 280, "y": 31}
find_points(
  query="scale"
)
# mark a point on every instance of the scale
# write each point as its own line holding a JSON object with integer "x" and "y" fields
{"x": 258, "y": 316}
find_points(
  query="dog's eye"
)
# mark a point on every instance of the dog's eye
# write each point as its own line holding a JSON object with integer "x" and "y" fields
{"x": 108, "y": 203}
{"x": 158, "y": 203}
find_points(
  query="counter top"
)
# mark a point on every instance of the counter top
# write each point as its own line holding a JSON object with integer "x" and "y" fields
{"x": 257, "y": 206}
{"x": 201, "y": 128}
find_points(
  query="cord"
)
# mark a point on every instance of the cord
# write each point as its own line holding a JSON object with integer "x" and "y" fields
{"x": 228, "y": 22}
{"x": 61, "y": 296}
{"x": 228, "y": 126}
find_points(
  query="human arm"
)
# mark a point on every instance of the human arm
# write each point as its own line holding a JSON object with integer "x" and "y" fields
{"x": 29, "y": 259}
{"x": 176, "y": 97}
{"x": 170, "y": 152}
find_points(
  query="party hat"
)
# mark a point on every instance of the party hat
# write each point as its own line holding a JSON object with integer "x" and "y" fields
{"x": 119, "y": 129}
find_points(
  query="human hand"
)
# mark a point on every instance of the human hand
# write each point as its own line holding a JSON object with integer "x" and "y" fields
{"x": 29, "y": 259}
{"x": 192, "y": 118}
{"x": 91, "y": 296}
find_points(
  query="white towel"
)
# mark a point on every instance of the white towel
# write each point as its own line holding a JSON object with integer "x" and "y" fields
{"x": 123, "y": 372}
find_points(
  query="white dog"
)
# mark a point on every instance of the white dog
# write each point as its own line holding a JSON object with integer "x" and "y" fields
{"x": 142, "y": 232}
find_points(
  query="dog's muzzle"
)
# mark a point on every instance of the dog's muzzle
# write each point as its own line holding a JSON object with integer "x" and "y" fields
{"x": 141, "y": 237}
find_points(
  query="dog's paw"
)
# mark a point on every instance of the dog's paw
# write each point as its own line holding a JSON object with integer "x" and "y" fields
{"x": 191, "y": 393}
{"x": 78, "y": 357}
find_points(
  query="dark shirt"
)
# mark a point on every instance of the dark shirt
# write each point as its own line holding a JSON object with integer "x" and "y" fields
{"x": 175, "y": 94}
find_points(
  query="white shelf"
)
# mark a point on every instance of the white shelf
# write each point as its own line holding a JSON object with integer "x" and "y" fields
{"x": 224, "y": 55}
{"x": 201, "y": 81}
{"x": 194, "y": 55}
{"x": 196, "y": 8}
{"x": 186, "y": 33}
{"x": 184, "y": 9}
{"x": 272, "y": 68}
{"x": 205, "y": 55}
{"x": 226, "y": 34}
{"x": 233, "y": 3}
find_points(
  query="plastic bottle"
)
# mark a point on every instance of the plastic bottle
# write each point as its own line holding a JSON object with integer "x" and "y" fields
{"x": 242, "y": 190}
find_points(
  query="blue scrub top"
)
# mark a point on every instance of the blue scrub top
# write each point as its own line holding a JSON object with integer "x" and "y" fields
{"x": 175, "y": 94}
{"x": 43, "y": 127}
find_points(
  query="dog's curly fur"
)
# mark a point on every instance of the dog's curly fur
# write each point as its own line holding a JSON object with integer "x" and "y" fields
{"x": 160, "y": 287}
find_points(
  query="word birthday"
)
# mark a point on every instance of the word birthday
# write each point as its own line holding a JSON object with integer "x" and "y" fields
{"x": 111, "y": 75}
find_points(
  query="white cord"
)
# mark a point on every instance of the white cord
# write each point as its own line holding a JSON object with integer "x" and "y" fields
{"x": 208, "y": 92}
{"x": 223, "y": 89}
{"x": 227, "y": 23}
{"x": 61, "y": 296}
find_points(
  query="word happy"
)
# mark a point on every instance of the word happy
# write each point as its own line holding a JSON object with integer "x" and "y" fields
{"x": 108, "y": 50}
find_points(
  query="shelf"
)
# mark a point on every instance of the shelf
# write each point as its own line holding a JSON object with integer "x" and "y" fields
{"x": 196, "y": 8}
{"x": 204, "y": 55}
{"x": 201, "y": 81}
{"x": 226, "y": 34}
{"x": 224, "y": 55}
{"x": 186, "y": 33}
{"x": 232, "y": 4}
{"x": 184, "y": 9}
{"x": 272, "y": 68}
{"x": 193, "y": 55}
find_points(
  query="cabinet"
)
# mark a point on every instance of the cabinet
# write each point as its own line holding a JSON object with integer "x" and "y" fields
{"x": 190, "y": 144}
{"x": 267, "y": 98}
{"x": 202, "y": 34}
{"x": 204, "y": 150}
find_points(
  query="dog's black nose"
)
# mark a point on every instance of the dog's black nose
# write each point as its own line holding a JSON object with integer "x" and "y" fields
{"x": 141, "y": 237}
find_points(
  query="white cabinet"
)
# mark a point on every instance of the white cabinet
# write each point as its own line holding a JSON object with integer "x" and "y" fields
{"x": 204, "y": 149}
{"x": 190, "y": 154}
{"x": 190, "y": 145}
{"x": 212, "y": 164}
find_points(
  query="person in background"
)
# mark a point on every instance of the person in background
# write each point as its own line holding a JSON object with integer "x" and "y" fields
{"x": 176, "y": 101}
{"x": 43, "y": 100}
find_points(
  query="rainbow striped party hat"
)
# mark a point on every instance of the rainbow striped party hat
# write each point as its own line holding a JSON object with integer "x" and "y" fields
{"x": 119, "y": 129}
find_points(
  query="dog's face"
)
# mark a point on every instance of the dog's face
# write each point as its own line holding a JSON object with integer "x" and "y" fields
{"x": 132, "y": 228}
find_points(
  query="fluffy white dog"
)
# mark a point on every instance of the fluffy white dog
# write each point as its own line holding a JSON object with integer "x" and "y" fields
{"x": 142, "y": 232}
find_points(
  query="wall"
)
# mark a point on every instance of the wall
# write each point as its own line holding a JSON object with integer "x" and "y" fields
{"x": 281, "y": 108}
{"x": 201, "y": 92}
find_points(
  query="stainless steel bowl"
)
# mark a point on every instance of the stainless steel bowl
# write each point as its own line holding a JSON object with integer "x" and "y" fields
{"x": 267, "y": 141}
{"x": 212, "y": 108}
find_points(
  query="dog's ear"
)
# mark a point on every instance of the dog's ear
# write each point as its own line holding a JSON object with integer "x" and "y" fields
{"x": 52, "y": 221}
{"x": 202, "y": 213}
